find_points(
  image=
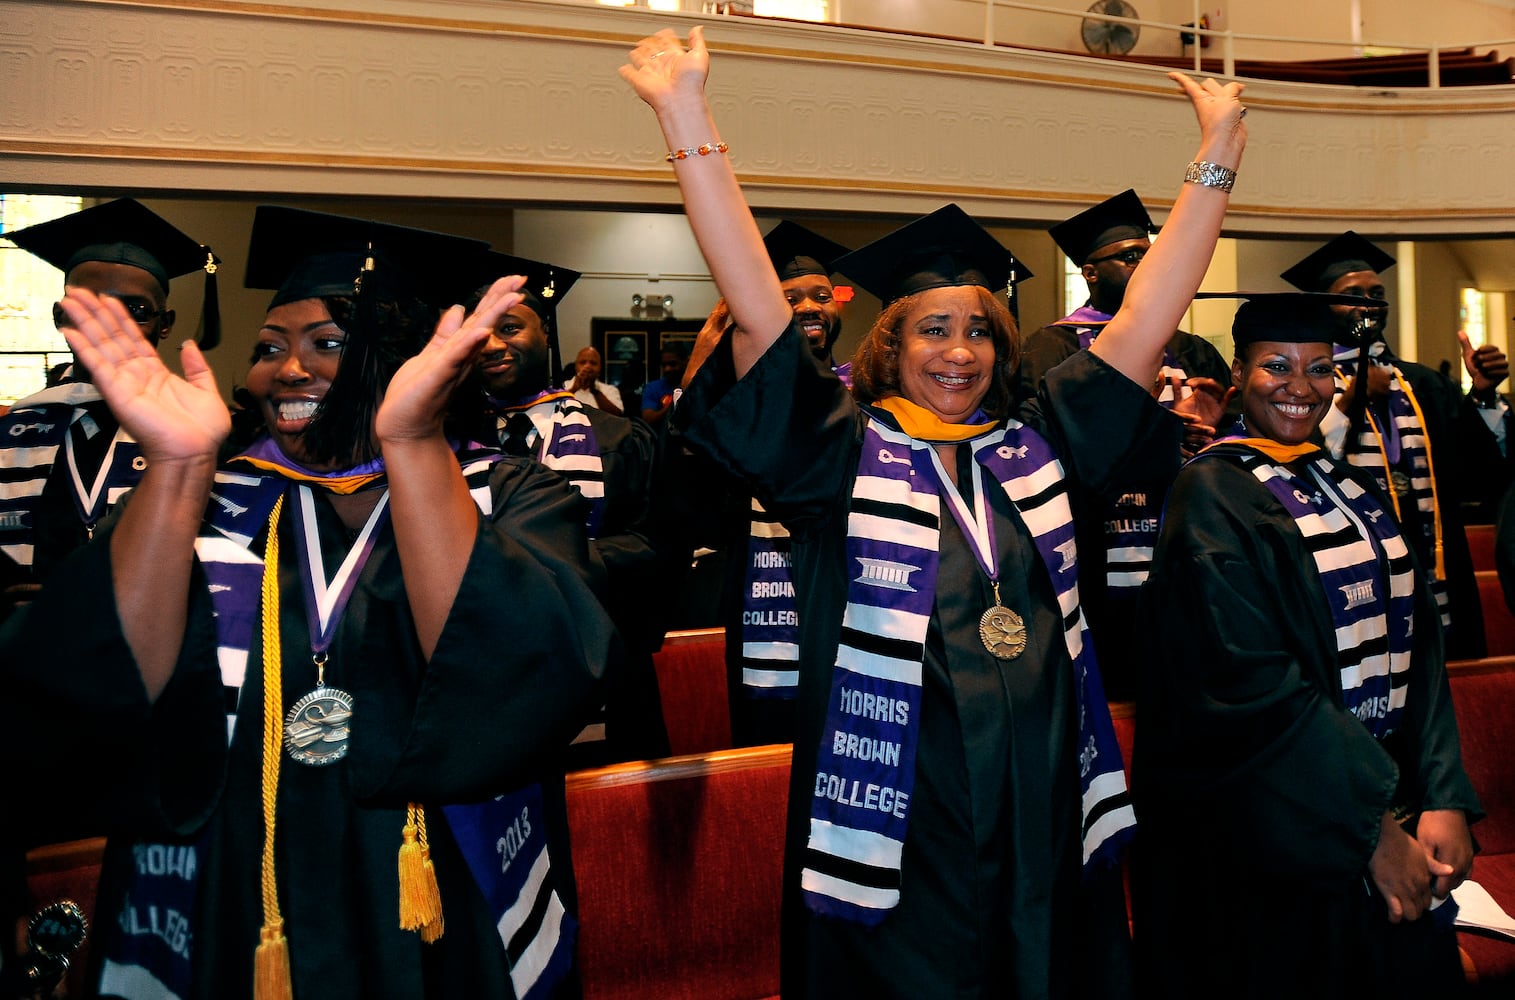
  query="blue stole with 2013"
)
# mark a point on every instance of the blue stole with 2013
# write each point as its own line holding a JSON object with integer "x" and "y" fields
{"x": 860, "y": 806}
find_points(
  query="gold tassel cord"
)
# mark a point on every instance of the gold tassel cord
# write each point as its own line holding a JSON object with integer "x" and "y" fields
{"x": 271, "y": 977}
{"x": 420, "y": 898}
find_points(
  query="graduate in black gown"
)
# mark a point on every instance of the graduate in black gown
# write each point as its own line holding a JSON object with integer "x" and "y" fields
{"x": 1297, "y": 775}
{"x": 954, "y": 765}
{"x": 340, "y": 669}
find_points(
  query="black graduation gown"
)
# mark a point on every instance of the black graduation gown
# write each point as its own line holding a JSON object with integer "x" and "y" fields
{"x": 509, "y": 683}
{"x": 992, "y": 902}
{"x": 1113, "y": 620}
{"x": 1484, "y": 472}
{"x": 1442, "y": 405}
{"x": 633, "y": 711}
{"x": 1258, "y": 795}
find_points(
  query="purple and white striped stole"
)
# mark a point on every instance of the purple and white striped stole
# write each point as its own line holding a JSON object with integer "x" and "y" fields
{"x": 866, "y": 763}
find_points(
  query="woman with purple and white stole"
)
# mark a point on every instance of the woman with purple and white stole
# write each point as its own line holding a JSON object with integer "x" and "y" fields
{"x": 1297, "y": 773}
{"x": 958, "y": 801}
{"x": 346, "y": 661}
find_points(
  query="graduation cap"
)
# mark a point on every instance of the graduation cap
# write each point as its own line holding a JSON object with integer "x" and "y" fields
{"x": 940, "y": 250}
{"x": 309, "y": 255}
{"x": 1343, "y": 255}
{"x": 546, "y": 285}
{"x": 796, "y": 251}
{"x": 1122, "y": 217}
{"x": 1288, "y": 317}
{"x": 125, "y": 231}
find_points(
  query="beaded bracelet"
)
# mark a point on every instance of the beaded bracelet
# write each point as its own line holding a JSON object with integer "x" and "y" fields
{"x": 704, "y": 149}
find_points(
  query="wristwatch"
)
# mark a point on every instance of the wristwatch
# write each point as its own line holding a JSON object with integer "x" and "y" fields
{"x": 1208, "y": 174}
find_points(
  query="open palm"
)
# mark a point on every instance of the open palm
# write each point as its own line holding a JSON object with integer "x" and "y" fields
{"x": 172, "y": 418}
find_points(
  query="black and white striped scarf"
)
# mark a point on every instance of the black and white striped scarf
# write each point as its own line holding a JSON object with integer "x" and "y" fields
{"x": 866, "y": 763}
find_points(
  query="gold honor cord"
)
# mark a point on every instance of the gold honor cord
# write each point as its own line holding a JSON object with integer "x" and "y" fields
{"x": 271, "y": 979}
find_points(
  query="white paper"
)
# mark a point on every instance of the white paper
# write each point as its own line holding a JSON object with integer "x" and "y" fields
{"x": 1476, "y": 908}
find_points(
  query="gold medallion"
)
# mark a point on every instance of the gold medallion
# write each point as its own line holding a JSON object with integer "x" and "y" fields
{"x": 317, "y": 727}
{"x": 1003, "y": 632}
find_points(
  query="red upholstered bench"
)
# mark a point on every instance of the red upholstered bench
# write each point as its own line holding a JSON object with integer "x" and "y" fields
{"x": 679, "y": 865}
{"x": 1481, "y": 545}
{"x": 69, "y": 870}
{"x": 1498, "y": 623}
{"x": 1483, "y": 695}
{"x": 691, "y": 670}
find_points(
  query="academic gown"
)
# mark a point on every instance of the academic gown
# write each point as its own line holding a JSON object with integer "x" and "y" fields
{"x": 1113, "y": 620}
{"x": 1258, "y": 795}
{"x": 511, "y": 680}
{"x": 1442, "y": 406}
{"x": 992, "y": 902}
{"x": 633, "y": 717}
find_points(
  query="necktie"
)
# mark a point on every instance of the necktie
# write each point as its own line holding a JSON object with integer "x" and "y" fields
{"x": 518, "y": 429}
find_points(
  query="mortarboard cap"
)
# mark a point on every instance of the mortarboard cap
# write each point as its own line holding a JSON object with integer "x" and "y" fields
{"x": 1287, "y": 317}
{"x": 940, "y": 250}
{"x": 1122, "y": 217}
{"x": 306, "y": 255}
{"x": 796, "y": 251}
{"x": 125, "y": 231}
{"x": 1342, "y": 255}
{"x": 546, "y": 284}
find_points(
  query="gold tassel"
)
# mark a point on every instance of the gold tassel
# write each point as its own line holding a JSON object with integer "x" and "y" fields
{"x": 420, "y": 899}
{"x": 271, "y": 965}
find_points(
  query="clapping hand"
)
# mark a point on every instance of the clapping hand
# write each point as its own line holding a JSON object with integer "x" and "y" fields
{"x": 173, "y": 419}
{"x": 416, "y": 400}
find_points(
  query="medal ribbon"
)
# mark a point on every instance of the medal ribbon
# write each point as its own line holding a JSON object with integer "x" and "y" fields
{"x": 89, "y": 500}
{"x": 325, "y": 602}
{"x": 977, "y": 524}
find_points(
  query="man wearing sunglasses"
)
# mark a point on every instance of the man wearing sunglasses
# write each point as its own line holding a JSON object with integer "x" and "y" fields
{"x": 1108, "y": 242}
{"x": 64, "y": 459}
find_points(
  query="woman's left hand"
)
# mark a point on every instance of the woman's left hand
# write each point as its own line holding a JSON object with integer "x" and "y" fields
{"x": 416, "y": 400}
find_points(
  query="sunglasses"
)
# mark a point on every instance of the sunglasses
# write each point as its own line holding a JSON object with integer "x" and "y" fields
{"x": 141, "y": 312}
{"x": 1131, "y": 256}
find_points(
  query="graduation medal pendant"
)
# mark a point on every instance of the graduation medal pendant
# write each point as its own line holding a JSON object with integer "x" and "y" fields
{"x": 1002, "y": 631}
{"x": 317, "y": 727}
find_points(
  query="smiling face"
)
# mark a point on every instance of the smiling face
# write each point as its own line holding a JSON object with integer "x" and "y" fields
{"x": 1285, "y": 388}
{"x": 946, "y": 354}
{"x": 294, "y": 362}
{"x": 816, "y": 311}
{"x": 514, "y": 362}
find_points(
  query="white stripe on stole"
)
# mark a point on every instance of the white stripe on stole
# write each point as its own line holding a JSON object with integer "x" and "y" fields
{"x": 769, "y": 650}
{"x": 1134, "y": 578}
{"x": 1353, "y": 677}
{"x": 768, "y": 529}
{"x": 863, "y": 846}
{"x": 512, "y": 919}
{"x": 34, "y": 457}
{"x": 895, "y": 491}
{"x": 22, "y": 553}
{"x": 1026, "y": 486}
{"x": 573, "y": 463}
{"x": 885, "y": 623}
{"x": 24, "y": 488}
{"x": 114, "y": 494}
{"x": 848, "y": 892}
{"x": 1130, "y": 553}
{"x": 883, "y": 667}
{"x": 1108, "y": 826}
{"x": 132, "y": 981}
{"x": 872, "y": 526}
{"x": 753, "y": 677}
{"x": 525, "y": 973}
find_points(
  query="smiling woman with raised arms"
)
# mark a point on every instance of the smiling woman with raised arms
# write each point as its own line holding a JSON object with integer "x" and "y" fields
{"x": 957, "y": 797}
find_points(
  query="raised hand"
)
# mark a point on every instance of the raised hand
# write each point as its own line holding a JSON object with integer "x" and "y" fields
{"x": 1487, "y": 366}
{"x": 1219, "y": 110}
{"x": 664, "y": 73}
{"x": 173, "y": 419}
{"x": 416, "y": 400}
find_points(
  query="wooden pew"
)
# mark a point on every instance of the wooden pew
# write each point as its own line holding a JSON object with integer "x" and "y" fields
{"x": 679, "y": 865}
{"x": 1498, "y": 622}
{"x": 691, "y": 671}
